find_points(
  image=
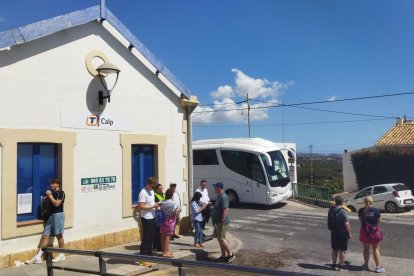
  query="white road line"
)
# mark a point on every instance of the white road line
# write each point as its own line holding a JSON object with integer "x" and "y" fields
{"x": 255, "y": 218}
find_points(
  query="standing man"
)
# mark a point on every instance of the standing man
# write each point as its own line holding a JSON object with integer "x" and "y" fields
{"x": 338, "y": 222}
{"x": 147, "y": 206}
{"x": 176, "y": 198}
{"x": 54, "y": 226}
{"x": 221, "y": 222}
{"x": 206, "y": 213}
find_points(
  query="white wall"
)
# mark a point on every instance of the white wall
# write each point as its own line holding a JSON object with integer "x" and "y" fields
{"x": 350, "y": 183}
{"x": 43, "y": 77}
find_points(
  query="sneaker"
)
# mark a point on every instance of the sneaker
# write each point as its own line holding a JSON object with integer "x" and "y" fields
{"x": 380, "y": 269}
{"x": 230, "y": 258}
{"x": 34, "y": 260}
{"x": 333, "y": 266}
{"x": 342, "y": 268}
{"x": 365, "y": 267}
{"x": 59, "y": 258}
{"x": 207, "y": 238}
{"x": 175, "y": 236}
{"x": 220, "y": 259}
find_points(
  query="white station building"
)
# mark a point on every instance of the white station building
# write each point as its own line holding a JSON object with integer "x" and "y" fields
{"x": 56, "y": 120}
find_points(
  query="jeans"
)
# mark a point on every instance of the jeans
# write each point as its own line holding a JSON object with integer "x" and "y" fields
{"x": 148, "y": 230}
{"x": 198, "y": 231}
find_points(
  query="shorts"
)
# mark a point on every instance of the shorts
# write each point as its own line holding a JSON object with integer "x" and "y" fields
{"x": 55, "y": 225}
{"x": 221, "y": 230}
{"x": 339, "y": 241}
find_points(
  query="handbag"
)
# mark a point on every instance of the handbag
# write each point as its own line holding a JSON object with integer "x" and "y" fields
{"x": 159, "y": 217}
{"x": 373, "y": 232}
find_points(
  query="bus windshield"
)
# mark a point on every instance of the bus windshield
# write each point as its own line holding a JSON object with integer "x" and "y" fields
{"x": 277, "y": 173}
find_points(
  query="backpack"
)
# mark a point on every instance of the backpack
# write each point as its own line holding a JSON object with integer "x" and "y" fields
{"x": 332, "y": 219}
{"x": 45, "y": 208}
{"x": 159, "y": 217}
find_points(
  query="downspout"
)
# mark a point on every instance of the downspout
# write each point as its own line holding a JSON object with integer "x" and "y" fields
{"x": 190, "y": 155}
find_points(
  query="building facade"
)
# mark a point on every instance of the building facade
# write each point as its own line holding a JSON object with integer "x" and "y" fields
{"x": 53, "y": 125}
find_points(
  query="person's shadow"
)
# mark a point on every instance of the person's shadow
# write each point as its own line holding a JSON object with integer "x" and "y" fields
{"x": 328, "y": 266}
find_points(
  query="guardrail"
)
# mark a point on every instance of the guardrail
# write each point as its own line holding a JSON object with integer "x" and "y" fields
{"x": 180, "y": 264}
{"x": 312, "y": 192}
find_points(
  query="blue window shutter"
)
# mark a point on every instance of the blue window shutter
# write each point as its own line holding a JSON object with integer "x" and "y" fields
{"x": 36, "y": 165}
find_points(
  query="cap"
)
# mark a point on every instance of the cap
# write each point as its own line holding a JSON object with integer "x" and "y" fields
{"x": 218, "y": 185}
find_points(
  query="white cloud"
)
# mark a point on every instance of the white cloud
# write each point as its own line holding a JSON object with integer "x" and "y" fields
{"x": 224, "y": 91}
{"x": 229, "y": 103}
{"x": 332, "y": 99}
{"x": 2, "y": 19}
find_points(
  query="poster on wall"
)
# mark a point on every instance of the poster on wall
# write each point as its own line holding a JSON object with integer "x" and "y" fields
{"x": 24, "y": 203}
{"x": 97, "y": 184}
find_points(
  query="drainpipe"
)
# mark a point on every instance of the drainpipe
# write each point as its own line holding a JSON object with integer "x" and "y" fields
{"x": 190, "y": 154}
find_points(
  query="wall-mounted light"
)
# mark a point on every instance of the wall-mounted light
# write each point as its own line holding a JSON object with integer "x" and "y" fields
{"x": 104, "y": 70}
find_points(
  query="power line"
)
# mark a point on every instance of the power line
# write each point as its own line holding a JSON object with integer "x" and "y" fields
{"x": 295, "y": 124}
{"x": 309, "y": 103}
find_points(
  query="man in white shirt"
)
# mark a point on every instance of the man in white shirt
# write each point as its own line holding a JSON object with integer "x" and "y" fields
{"x": 147, "y": 206}
{"x": 176, "y": 198}
{"x": 205, "y": 199}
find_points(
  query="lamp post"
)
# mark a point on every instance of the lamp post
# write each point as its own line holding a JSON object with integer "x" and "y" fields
{"x": 104, "y": 70}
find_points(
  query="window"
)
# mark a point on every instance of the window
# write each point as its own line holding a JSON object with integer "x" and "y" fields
{"x": 142, "y": 167}
{"x": 364, "y": 193}
{"x": 380, "y": 190}
{"x": 205, "y": 157}
{"x": 37, "y": 163}
{"x": 244, "y": 163}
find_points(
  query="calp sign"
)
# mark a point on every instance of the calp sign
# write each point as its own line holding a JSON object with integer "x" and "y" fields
{"x": 95, "y": 120}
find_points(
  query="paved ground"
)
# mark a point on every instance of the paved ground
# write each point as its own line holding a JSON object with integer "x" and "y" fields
{"x": 304, "y": 263}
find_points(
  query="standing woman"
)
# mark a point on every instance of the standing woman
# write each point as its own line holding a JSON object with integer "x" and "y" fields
{"x": 170, "y": 211}
{"x": 371, "y": 216}
{"x": 196, "y": 208}
{"x": 159, "y": 197}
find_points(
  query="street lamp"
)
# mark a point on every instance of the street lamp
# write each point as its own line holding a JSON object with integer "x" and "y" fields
{"x": 104, "y": 70}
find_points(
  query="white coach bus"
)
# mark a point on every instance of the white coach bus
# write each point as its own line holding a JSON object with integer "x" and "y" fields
{"x": 252, "y": 170}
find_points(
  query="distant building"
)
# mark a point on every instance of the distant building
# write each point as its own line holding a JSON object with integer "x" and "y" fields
{"x": 54, "y": 125}
{"x": 401, "y": 135}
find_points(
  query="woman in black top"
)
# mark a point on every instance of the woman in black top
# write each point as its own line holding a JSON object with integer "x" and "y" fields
{"x": 159, "y": 196}
{"x": 372, "y": 216}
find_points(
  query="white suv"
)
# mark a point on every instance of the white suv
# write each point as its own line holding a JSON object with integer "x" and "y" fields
{"x": 389, "y": 197}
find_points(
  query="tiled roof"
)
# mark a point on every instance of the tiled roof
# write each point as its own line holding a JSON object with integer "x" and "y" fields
{"x": 400, "y": 134}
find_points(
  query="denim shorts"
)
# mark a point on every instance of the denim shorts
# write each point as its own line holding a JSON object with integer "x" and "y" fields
{"x": 55, "y": 225}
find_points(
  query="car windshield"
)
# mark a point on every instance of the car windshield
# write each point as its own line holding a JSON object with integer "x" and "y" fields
{"x": 400, "y": 187}
{"x": 277, "y": 173}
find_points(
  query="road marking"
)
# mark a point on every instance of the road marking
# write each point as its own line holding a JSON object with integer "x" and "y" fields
{"x": 256, "y": 218}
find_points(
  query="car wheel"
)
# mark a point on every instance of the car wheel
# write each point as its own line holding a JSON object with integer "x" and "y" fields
{"x": 233, "y": 198}
{"x": 390, "y": 207}
{"x": 352, "y": 208}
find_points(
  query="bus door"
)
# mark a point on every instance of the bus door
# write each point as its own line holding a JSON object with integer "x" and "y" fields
{"x": 258, "y": 179}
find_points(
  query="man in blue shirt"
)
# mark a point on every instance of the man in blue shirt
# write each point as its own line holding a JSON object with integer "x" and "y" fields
{"x": 221, "y": 222}
{"x": 339, "y": 234}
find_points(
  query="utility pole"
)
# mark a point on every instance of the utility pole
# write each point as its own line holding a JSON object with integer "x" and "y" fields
{"x": 248, "y": 111}
{"x": 311, "y": 174}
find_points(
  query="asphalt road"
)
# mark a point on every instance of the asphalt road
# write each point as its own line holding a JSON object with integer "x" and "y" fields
{"x": 279, "y": 236}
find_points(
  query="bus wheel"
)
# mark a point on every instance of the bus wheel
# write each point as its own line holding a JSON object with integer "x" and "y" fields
{"x": 233, "y": 198}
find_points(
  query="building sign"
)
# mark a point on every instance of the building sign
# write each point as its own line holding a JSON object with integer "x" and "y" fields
{"x": 82, "y": 119}
{"x": 96, "y": 184}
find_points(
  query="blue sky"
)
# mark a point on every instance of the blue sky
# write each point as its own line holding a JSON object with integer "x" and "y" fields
{"x": 279, "y": 52}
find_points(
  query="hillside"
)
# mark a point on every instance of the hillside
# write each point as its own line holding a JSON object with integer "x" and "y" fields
{"x": 327, "y": 170}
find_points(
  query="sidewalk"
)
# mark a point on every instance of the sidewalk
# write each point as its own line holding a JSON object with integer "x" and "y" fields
{"x": 182, "y": 248}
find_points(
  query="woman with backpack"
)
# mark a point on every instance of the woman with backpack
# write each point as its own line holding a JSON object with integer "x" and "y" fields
{"x": 170, "y": 211}
{"x": 369, "y": 234}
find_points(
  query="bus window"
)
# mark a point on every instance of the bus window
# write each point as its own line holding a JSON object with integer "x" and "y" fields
{"x": 244, "y": 163}
{"x": 278, "y": 172}
{"x": 205, "y": 157}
